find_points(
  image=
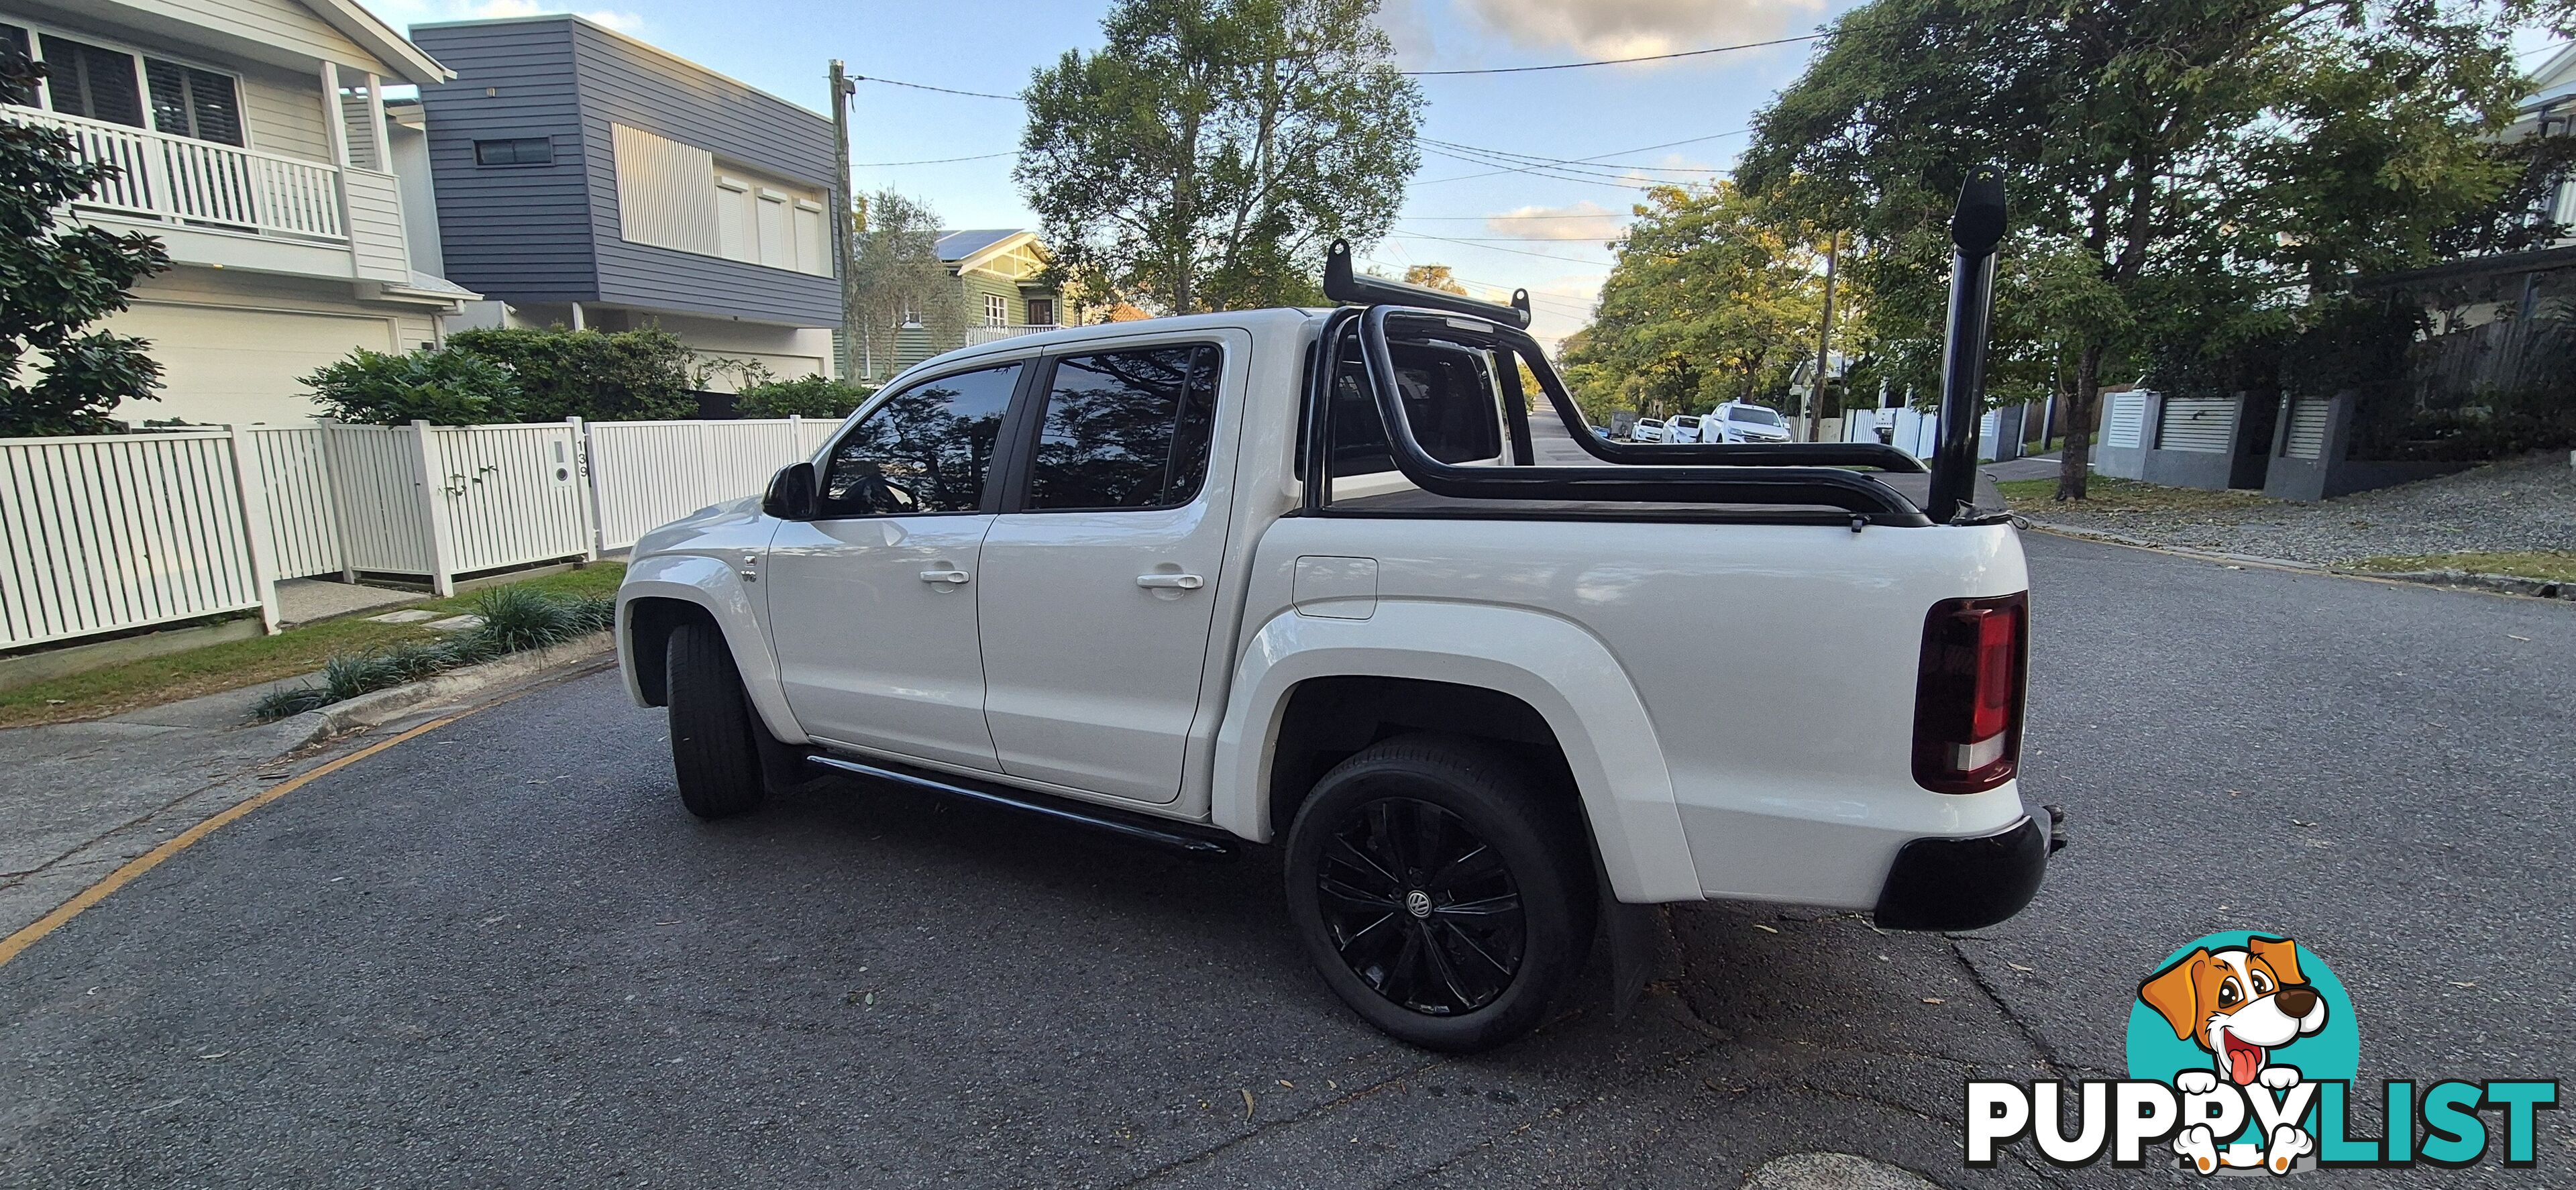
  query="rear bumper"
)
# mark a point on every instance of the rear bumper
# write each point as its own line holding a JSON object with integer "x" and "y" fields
{"x": 1964, "y": 883}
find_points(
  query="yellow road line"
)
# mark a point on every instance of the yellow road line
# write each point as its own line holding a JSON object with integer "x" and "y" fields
{"x": 10, "y": 947}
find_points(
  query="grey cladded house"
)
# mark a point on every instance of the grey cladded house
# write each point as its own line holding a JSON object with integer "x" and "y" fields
{"x": 587, "y": 179}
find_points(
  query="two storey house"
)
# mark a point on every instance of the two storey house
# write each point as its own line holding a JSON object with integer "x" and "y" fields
{"x": 587, "y": 179}
{"x": 253, "y": 144}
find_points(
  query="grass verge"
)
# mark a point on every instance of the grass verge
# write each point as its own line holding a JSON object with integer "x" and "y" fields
{"x": 232, "y": 665}
{"x": 2546, "y": 565}
{"x": 2105, "y": 494}
{"x": 515, "y": 618}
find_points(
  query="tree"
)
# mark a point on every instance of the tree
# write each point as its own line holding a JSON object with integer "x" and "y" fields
{"x": 56, "y": 281}
{"x": 1713, "y": 299}
{"x": 2182, "y": 171}
{"x": 1434, "y": 276}
{"x": 1208, "y": 153}
{"x": 896, "y": 277}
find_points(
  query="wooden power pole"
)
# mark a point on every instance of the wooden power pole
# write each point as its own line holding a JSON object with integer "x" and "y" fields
{"x": 1824, "y": 341}
{"x": 842, "y": 89}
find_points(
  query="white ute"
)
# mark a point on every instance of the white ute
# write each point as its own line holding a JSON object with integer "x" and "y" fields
{"x": 1092, "y": 573}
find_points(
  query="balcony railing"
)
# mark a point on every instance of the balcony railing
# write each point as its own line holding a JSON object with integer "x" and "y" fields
{"x": 995, "y": 334}
{"x": 181, "y": 180}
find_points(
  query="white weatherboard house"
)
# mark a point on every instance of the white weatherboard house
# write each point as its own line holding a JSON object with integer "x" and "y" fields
{"x": 254, "y": 144}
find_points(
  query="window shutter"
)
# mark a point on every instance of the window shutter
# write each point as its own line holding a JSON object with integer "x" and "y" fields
{"x": 190, "y": 102}
{"x": 13, "y": 43}
{"x": 86, "y": 80}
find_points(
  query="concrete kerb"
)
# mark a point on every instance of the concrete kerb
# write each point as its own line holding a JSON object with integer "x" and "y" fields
{"x": 385, "y": 706}
{"x": 2501, "y": 583}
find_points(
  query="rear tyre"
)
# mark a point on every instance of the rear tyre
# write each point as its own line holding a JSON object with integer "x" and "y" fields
{"x": 715, "y": 740}
{"x": 1441, "y": 891}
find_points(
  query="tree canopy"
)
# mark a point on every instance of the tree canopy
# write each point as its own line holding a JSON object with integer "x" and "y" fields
{"x": 896, "y": 276}
{"x": 2181, "y": 171}
{"x": 56, "y": 281}
{"x": 1715, "y": 297}
{"x": 1207, "y": 154}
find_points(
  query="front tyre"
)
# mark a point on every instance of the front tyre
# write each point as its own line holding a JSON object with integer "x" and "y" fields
{"x": 714, "y": 748}
{"x": 1441, "y": 891}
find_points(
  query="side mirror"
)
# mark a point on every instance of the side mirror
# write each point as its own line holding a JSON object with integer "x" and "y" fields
{"x": 791, "y": 493}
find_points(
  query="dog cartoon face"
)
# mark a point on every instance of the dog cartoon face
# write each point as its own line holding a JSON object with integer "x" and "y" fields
{"x": 2239, "y": 1003}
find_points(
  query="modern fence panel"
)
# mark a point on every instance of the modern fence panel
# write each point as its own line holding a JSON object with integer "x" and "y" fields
{"x": 2203, "y": 424}
{"x": 2308, "y": 419}
{"x": 293, "y": 473}
{"x": 116, "y": 532}
{"x": 510, "y": 495}
{"x": 648, "y": 473}
{"x": 110, "y": 533}
{"x": 2124, "y": 419}
{"x": 376, "y": 481}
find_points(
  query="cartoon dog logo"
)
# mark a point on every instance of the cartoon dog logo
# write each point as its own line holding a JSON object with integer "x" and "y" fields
{"x": 2240, "y": 1004}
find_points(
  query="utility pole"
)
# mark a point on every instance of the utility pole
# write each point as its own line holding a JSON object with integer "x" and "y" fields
{"x": 842, "y": 89}
{"x": 1824, "y": 341}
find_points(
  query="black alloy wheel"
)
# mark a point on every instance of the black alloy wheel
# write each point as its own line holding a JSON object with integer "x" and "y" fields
{"x": 1444, "y": 889}
{"x": 1421, "y": 909}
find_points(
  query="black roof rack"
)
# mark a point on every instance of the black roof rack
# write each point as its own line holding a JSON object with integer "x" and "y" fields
{"x": 1346, "y": 285}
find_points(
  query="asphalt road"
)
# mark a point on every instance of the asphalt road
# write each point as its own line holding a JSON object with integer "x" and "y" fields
{"x": 501, "y": 954}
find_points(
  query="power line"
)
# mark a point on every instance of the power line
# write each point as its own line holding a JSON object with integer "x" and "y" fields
{"x": 1491, "y": 218}
{"x": 930, "y": 161}
{"x": 1424, "y": 235}
{"x": 1538, "y": 159}
{"x": 1584, "y": 160}
{"x": 1721, "y": 49}
{"x": 869, "y": 78}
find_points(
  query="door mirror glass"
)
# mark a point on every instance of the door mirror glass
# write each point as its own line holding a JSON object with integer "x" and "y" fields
{"x": 791, "y": 493}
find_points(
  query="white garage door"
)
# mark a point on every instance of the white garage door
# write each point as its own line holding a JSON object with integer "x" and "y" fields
{"x": 223, "y": 366}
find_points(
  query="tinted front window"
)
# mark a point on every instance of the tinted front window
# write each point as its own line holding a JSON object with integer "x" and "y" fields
{"x": 1752, "y": 414}
{"x": 1126, "y": 429}
{"x": 927, "y": 449}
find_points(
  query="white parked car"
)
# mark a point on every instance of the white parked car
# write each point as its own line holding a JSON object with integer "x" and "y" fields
{"x": 1743, "y": 421}
{"x": 1648, "y": 429}
{"x": 1684, "y": 428}
{"x": 1093, "y": 574}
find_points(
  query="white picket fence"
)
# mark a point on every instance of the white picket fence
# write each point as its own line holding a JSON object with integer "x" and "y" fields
{"x": 112, "y": 533}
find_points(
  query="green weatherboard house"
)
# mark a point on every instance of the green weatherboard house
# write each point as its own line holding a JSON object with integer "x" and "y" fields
{"x": 998, "y": 271}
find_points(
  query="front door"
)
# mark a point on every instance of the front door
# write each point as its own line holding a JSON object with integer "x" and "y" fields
{"x": 1100, "y": 585}
{"x": 872, "y": 603}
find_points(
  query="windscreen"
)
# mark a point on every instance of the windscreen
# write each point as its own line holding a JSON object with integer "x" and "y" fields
{"x": 1753, "y": 413}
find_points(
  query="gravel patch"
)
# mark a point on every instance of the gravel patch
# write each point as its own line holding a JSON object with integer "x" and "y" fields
{"x": 2524, "y": 504}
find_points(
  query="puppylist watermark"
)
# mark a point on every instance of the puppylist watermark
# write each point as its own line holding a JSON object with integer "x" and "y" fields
{"x": 2244, "y": 1056}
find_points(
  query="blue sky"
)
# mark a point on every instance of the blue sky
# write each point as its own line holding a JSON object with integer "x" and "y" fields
{"x": 782, "y": 46}
{"x": 1610, "y": 113}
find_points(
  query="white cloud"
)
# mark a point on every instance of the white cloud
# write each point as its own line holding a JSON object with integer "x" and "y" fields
{"x": 1635, "y": 28}
{"x": 1586, "y": 220}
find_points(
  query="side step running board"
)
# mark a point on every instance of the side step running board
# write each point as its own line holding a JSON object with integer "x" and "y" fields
{"x": 1199, "y": 843}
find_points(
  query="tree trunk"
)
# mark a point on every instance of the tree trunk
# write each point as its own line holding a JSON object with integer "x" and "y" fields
{"x": 2075, "y": 464}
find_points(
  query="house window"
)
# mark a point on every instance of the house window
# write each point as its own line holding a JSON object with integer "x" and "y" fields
{"x": 996, "y": 311}
{"x": 1041, "y": 312}
{"x": 87, "y": 80}
{"x": 194, "y": 103}
{"x": 911, "y": 316}
{"x": 517, "y": 150}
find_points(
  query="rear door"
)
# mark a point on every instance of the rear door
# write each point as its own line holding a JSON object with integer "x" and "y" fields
{"x": 1102, "y": 575}
{"x": 872, "y": 605}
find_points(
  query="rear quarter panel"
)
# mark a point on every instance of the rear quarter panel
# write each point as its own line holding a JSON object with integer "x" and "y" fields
{"x": 1775, "y": 666}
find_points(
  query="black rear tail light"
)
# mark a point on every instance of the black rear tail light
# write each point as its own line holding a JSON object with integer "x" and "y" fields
{"x": 1968, "y": 695}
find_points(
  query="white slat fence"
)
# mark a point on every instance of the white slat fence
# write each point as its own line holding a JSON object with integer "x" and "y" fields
{"x": 112, "y": 532}
{"x": 119, "y": 532}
